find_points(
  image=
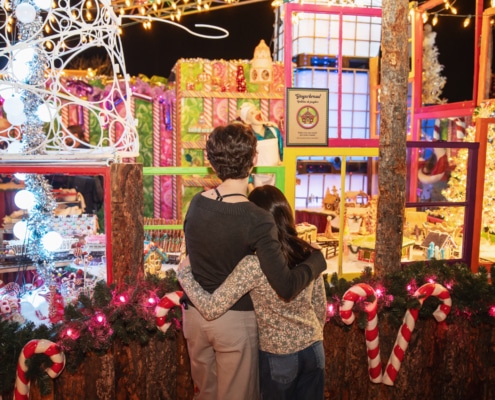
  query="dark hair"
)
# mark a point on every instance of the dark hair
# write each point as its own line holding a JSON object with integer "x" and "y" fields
{"x": 77, "y": 131}
{"x": 230, "y": 150}
{"x": 273, "y": 200}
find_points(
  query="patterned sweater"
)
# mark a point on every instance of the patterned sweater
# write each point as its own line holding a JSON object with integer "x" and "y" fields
{"x": 283, "y": 327}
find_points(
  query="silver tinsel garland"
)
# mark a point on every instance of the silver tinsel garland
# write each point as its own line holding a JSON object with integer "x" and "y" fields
{"x": 38, "y": 223}
{"x": 33, "y": 139}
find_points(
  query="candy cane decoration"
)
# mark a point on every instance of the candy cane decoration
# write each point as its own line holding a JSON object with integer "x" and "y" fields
{"x": 404, "y": 336}
{"x": 363, "y": 291}
{"x": 167, "y": 302}
{"x": 460, "y": 128}
{"x": 42, "y": 346}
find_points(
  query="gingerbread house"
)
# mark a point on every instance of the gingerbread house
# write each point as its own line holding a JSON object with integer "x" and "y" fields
{"x": 331, "y": 200}
{"x": 439, "y": 245}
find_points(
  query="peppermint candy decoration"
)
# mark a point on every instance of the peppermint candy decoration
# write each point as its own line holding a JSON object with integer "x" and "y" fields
{"x": 363, "y": 291}
{"x": 404, "y": 335}
{"x": 42, "y": 346}
{"x": 167, "y": 302}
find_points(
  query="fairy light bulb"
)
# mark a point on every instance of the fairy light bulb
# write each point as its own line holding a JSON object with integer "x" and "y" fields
{"x": 466, "y": 22}
{"x": 25, "y": 13}
{"x": 43, "y": 4}
{"x": 425, "y": 17}
{"x": 100, "y": 318}
{"x": 21, "y": 231}
{"x": 13, "y": 104}
{"x": 52, "y": 241}
{"x": 46, "y": 112}
{"x": 15, "y": 147}
{"x": 24, "y": 199}
{"x": 434, "y": 21}
{"x": 331, "y": 310}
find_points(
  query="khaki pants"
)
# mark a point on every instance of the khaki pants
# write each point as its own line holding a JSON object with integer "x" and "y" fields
{"x": 224, "y": 355}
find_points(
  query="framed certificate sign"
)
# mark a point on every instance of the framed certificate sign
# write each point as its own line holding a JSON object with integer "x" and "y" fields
{"x": 307, "y": 117}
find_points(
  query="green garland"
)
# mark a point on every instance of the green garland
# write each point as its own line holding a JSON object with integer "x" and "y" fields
{"x": 473, "y": 298}
{"x": 132, "y": 321}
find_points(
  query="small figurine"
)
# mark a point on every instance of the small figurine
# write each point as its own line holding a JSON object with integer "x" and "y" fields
{"x": 270, "y": 142}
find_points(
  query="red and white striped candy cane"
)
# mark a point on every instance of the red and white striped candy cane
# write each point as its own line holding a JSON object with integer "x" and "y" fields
{"x": 167, "y": 302}
{"x": 42, "y": 346}
{"x": 404, "y": 335}
{"x": 363, "y": 291}
{"x": 460, "y": 128}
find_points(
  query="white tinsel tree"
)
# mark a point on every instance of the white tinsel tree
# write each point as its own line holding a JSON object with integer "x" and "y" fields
{"x": 433, "y": 82}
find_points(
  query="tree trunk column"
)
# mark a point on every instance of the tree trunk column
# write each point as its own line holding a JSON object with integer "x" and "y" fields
{"x": 393, "y": 132}
{"x": 127, "y": 231}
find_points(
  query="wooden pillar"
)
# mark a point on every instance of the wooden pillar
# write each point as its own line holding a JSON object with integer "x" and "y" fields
{"x": 393, "y": 129}
{"x": 127, "y": 231}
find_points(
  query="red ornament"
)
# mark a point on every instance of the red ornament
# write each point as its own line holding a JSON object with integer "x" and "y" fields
{"x": 240, "y": 79}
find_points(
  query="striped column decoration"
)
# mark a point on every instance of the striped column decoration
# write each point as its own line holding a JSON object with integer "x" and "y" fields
{"x": 86, "y": 124}
{"x": 265, "y": 109}
{"x": 232, "y": 109}
{"x": 156, "y": 154}
{"x": 175, "y": 111}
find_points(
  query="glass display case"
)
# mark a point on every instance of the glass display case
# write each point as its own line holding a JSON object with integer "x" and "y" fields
{"x": 73, "y": 252}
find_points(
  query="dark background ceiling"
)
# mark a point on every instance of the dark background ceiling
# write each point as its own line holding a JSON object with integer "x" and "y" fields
{"x": 155, "y": 51}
